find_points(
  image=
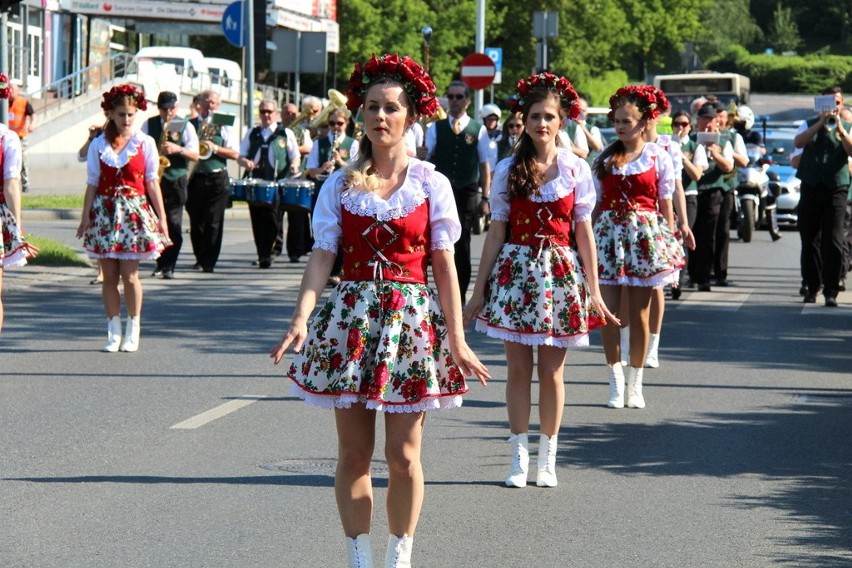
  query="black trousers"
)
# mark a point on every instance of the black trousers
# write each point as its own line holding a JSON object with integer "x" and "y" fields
{"x": 265, "y": 223}
{"x": 467, "y": 205}
{"x": 207, "y": 198}
{"x": 723, "y": 236}
{"x": 822, "y": 212}
{"x": 691, "y": 211}
{"x": 299, "y": 237}
{"x": 709, "y": 205}
{"x": 174, "y": 199}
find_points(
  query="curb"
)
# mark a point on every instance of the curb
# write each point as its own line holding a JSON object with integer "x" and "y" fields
{"x": 239, "y": 212}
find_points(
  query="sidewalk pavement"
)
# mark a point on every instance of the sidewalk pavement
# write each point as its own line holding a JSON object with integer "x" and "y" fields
{"x": 72, "y": 181}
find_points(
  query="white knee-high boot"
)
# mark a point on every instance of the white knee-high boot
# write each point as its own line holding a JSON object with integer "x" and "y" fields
{"x": 616, "y": 386}
{"x": 625, "y": 345}
{"x": 359, "y": 553}
{"x": 113, "y": 334}
{"x": 652, "y": 359}
{"x": 131, "y": 335}
{"x": 546, "y": 461}
{"x": 399, "y": 551}
{"x": 520, "y": 460}
{"x": 634, "y": 388}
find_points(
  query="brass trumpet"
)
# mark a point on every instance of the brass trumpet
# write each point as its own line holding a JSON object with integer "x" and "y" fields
{"x": 205, "y": 146}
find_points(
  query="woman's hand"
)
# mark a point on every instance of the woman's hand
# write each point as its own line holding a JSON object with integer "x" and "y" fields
{"x": 600, "y": 306}
{"x": 295, "y": 336}
{"x": 163, "y": 227}
{"x": 469, "y": 364}
{"x": 472, "y": 308}
{"x": 84, "y": 226}
{"x": 30, "y": 250}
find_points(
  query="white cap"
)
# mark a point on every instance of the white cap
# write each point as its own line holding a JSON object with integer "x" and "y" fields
{"x": 488, "y": 110}
{"x": 746, "y": 115}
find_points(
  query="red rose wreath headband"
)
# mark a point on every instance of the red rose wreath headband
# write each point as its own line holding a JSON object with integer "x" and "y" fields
{"x": 650, "y": 100}
{"x": 5, "y": 90}
{"x": 562, "y": 87}
{"x": 121, "y": 91}
{"x": 404, "y": 70}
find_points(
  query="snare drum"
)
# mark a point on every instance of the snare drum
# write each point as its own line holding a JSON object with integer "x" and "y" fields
{"x": 237, "y": 189}
{"x": 262, "y": 193}
{"x": 295, "y": 194}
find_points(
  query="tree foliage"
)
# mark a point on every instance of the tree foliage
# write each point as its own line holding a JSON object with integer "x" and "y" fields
{"x": 783, "y": 31}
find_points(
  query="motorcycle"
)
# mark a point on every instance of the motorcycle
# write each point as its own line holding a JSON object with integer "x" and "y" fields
{"x": 752, "y": 195}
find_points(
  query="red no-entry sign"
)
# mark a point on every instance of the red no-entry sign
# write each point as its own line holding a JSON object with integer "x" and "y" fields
{"x": 477, "y": 71}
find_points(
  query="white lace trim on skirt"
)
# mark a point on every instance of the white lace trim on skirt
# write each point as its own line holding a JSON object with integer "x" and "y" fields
{"x": 346, "y": 400}
{"x": 535, "y": 339}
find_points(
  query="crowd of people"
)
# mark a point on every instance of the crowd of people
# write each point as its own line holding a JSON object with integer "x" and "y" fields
{"x": 583, "y": 235}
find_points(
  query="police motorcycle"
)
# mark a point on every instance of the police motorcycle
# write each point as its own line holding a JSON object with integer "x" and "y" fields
{"x": 752, "y": 194}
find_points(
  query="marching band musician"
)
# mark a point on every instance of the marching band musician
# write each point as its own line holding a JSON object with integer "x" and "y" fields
{"x": 207, "y": 195}
{"x": 298, "y": 240}
{"x": 329, "y": 154}
{"x": 178, "y": 148}
{"x": 268, "y": 151}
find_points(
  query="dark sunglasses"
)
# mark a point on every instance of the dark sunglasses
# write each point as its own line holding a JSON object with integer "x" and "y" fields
{"x": 456, "y": 97}
{"x": 336, "y": 123}
{"x": 265, "y": 111}
{"x": 515, "y": 125}
{"x": 680, "y": 124}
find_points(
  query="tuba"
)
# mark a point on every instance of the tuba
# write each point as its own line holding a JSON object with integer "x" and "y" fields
{"x": 336, "y": 100}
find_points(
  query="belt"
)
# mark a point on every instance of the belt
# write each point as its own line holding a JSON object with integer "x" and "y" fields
{"x": 217, "y": 170}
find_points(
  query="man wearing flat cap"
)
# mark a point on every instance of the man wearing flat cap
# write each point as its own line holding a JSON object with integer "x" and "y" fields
{"x": 711, "y": 192}
{"x": 177, "y": 142}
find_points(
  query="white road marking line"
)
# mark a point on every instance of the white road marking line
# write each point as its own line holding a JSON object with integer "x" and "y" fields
{"x": 218, "y": 412}
{"x": 722, "y": 301}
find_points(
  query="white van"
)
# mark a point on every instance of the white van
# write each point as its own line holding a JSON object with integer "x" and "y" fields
{"x": 168, "y": 68}
{"x": 226, "y": 76}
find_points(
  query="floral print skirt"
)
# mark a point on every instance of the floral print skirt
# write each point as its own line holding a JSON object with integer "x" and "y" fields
{"x": 538, "y": 296}
{"x": 12, "y": 246}
{"x": 382, "y": 343}
{"x": 636, "y": 248}
{"x": 123, "y": 227}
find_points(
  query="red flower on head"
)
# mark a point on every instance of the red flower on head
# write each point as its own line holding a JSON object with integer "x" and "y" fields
{"x": 118, "y": 93}
{"x": 413, "y": 78}
{"x": 568, "y": 96}
{"x": 648, "y": 99}
{"x": 5, "y": 90}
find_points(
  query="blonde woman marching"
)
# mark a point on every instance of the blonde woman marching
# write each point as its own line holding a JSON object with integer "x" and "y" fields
{"x": 383, "y": 342}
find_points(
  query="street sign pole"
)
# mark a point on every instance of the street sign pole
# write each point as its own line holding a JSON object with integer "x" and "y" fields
{"x": 248, "y": 46}
{"x": 479, "y": 48}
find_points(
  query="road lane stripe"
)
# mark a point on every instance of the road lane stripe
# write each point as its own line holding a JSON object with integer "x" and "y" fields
{"x": 218, "y": 412}
{"x": 728, "y": 300}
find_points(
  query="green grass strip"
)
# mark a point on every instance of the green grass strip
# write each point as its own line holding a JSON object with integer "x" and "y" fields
{"x": 54, "y": 253}
{"x": 53, "y": 202}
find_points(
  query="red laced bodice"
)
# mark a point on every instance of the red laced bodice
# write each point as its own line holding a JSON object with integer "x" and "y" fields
{"x": 395, "y": 250}
{"x": 541, "y": 223}
{"x": 128, "y": 179}
{"x": 636, "y": 192}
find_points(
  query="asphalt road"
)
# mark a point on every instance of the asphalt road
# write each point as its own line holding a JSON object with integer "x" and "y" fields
{"x": 741, "y": 458}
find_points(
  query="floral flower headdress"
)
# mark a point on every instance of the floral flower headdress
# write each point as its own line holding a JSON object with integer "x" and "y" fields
{"x": 568, "y": 96}
{"x": 5, "y": 90}
{"x": 121, "y": 91}
{"x": 408, "y": 73}
{"x": 650, "y": 100}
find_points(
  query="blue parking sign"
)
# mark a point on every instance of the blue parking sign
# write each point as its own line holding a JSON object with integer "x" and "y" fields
{"x": 496, "y": 55}
{"x": 232, "y": 23}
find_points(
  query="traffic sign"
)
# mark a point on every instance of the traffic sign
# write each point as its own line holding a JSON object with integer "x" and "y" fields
{"x": 232, "y": 23}
{"x": 496, "y": 55}
{"x": 477, "y": 71}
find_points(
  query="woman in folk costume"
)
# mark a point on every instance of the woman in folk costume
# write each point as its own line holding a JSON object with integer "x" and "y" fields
{"x": 124, "y": 220}
{"x": 383, "y": 342}
{"x": 532, "y": 291}
{"x": 14, "y": 250}
{"x": 637, "y": 249}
